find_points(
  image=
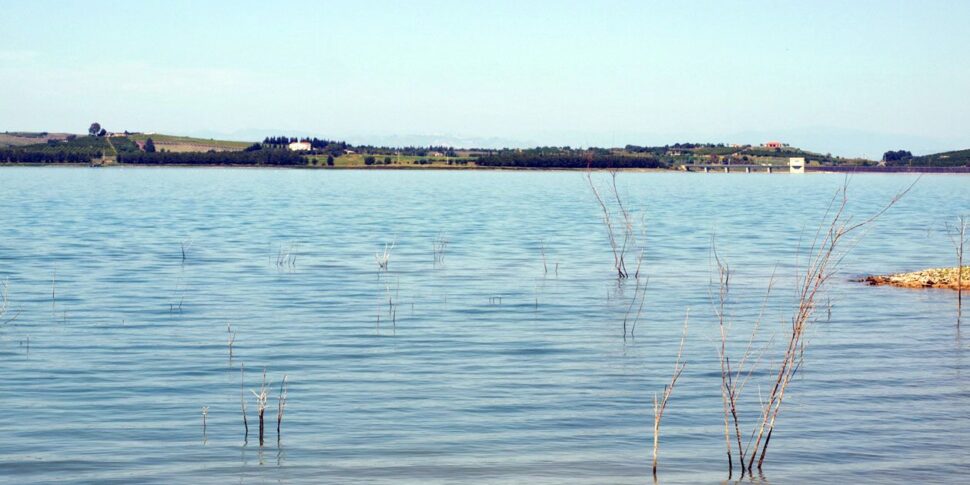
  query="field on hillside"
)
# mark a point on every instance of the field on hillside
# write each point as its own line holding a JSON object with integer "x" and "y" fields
{"x": 16, "y": 139}
{"x": 182, "y": 144}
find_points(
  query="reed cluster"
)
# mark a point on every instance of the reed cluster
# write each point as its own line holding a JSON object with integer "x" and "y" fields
{"x": 5, "y": 311}
{"x": 383, "y": 258}
{"x": 438, "y": 246}
{"x": 286, "y": 258}
{"x": 621, "y": 229}
{"x": 391, "y": 306}
{"x": 832, "y": 241}
{"x": 261, "y": 397}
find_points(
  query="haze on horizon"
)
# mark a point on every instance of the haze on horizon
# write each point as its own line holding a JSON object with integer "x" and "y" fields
{"x": 852, "y": 78}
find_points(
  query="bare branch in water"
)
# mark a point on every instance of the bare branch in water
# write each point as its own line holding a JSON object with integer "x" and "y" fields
{"x": 659, "y": 406}
{"x": 384, "y": 258}
{"x": 242, "y": 398}
{"x": 622, "y": 234}
{"x": 827, "y": 251}
{"x": 958, "y": 236}
{"x": 281, "y": 407}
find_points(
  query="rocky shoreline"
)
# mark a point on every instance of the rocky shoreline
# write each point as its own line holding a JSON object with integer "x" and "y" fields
{"x": 927, "y": 278}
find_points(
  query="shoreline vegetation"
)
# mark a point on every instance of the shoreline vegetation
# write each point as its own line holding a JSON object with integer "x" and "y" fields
{"x": 102, "y": 148}
{"x": 948, "y": 278}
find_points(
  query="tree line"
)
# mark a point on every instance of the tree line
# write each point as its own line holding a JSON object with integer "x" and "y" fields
{"x": 14, "y": 155}
{"x": 526, "y": 160}
{"x": 275, "y": 157}
{"x": 73, "y": 150}
{"x": 408, "y": 150}
{"x": 315, "y": 143}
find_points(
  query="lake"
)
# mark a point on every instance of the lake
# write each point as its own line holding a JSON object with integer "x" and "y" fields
{"x": 472, "y": 358}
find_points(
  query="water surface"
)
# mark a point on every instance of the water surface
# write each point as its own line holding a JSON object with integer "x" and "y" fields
{"x": 486, "y": 367}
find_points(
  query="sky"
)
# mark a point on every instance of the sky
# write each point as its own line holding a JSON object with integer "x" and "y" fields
{"x": 847, "y": 77}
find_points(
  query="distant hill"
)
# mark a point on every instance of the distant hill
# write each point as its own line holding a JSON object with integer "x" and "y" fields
{"x": 958, "y": 158}
{"x": 129, "y": 148}
{"x": 170, "y": 143}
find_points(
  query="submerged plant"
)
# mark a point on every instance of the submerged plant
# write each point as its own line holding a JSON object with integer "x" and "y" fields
{"x": 620, "y": 227}
{"x": 639, "y": 293}
{"x": 542, "y": 252}
{"x": 733, "y": 378}
{"x": 4, "y": 302}
{"x": 438, "y": 246}
{"x": 205, "y": 414}
{"x": 390, "y": 295}
{"x": 384, "y": 258}
{"x": 826, "y": 253}
{"x": 242, "y": 398}
{"x": 261, "y": 397}
{"x": 184, "y": 246}
{"x": 281, "y": 407}
{"x": 545, "y": 265}
{"x": 660, "y": 403}
{"x": 5, "y": 305}
{"x": 231, "y": 340}
{"x": 285, "y": 258}
{"x": 958, "y": 236}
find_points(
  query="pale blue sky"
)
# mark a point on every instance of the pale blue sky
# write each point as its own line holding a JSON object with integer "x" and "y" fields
{"x": 853, "y": 77}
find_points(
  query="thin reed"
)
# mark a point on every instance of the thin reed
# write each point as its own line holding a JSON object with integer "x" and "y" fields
{"x": 958, "y": 236}
{"x": 5, "y": 304}
{"x": 438, "y": 247}
{"x": 205, "y": 414}
{"x": 231, "y": 340}
{"x": 620, "y": 228}
{"x": 660, "y": 405}
{"x": 261, "y": 397}
{"x": 639, "y": 295}
{"x": 383, "y": 258}
{"x": 242, "y": 399}
{"x": 281, "y": 407}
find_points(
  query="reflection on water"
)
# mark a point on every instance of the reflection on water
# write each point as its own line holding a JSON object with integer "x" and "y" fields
{"x": 471, "y": 360}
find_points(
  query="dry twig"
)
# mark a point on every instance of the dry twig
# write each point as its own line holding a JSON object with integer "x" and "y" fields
{"x": 659, "y": 406}
{"x": 261, "y": 405}
{"x": 281, "y": 407}
{"x": 825, "y": 255}
{"x": 958, "y": 236}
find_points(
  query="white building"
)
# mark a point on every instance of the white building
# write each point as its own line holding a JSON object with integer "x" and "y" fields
{"x": 796, "y": 165}
{"x": 300, "y": 146}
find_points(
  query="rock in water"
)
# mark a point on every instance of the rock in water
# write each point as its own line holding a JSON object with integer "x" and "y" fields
{"x": 928, "y": 278}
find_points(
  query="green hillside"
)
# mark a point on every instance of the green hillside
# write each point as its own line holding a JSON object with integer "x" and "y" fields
{"x": 958, "y": 158}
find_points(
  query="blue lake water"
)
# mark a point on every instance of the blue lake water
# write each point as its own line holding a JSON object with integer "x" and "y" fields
{"x": 485, "y": 367}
